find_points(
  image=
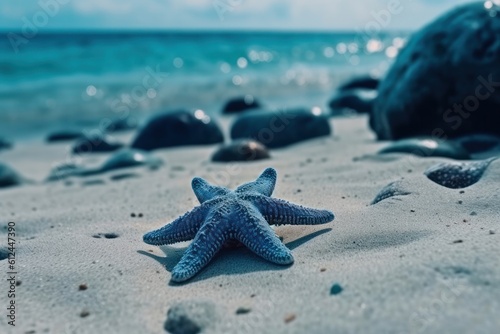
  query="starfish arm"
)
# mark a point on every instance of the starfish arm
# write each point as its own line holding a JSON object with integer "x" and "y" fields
{"x": 207, "y": 243}
{"x": 264, "y": 184}
{"x": 279, "y": 212}
{"x": 204, "y": 191}
{"x": 182, "y": 229}
{"x": 256, "y": 234}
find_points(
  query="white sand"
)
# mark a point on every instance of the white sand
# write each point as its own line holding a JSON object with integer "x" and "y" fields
{"x": 401, "y": 271}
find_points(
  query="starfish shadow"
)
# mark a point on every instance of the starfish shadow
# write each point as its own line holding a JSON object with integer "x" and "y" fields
{"x": 232, "y": 261}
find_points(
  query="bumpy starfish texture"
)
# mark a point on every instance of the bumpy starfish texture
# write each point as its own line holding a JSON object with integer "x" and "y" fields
{"x": 244, "y": 214}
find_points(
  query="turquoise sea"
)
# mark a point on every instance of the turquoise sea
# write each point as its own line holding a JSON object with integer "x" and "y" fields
{"x": 58, "y": 80}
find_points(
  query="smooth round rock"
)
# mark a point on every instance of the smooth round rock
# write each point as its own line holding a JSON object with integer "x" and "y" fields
{"x": 178, "y": 128}
{"x": 130, "y": 158}
{"x": 241, "y": 150}
{"x": 122, "y": 124}
{"x": 9, "y": 177}
{"x": 363, "y": 82}
{"x": 64, "y": 135}
{"x": 277, "y": 129}
{"x": 240, "y": 104}
{"x": 95, "y": 144}
{"x": 446, "y": 81}
{"x": 359, "y": 101}
{"x": 427, "y": 148}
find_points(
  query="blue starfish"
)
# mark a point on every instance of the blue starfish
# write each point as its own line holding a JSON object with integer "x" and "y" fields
{"x": 243, "y": 214}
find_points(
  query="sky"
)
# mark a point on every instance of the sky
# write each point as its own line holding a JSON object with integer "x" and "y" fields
{"x": 221, "y": 14}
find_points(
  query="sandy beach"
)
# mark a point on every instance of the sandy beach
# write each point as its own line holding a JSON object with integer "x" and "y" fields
{"x": 426, "y": 262}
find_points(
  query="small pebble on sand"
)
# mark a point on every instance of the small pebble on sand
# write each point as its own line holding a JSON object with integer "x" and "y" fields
{"x": 336, "y": 289}
{"x": 243, "y": 310}
{"x": 289, "y": 318}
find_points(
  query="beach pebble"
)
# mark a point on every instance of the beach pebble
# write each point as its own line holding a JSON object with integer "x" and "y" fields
{"x": 457, "y": 175}
{"x": 95, "y": 144}
{"x": 395, "y": 188}
{"x": 63, "y": 135}
{"x": 359, "y": 101}
{"x": 243, "y": 310}
{"x": 281, "y": 128}
{"x": 5, "y": 144}
{"x": 121, "y": 124}
{"x": 427, "y": 148}
{"x": 178, "y": 128}
{"x": 240, "y": 104}
{"x": 131, "y": 158}
{"x": 362, "y": 82}
{"x": 446, "y": 80}
{"x": 241, "y": 150}
{"x": 336, "y": 289}
{"x": 190, "y": 317}
{"x": 9, "y": 177}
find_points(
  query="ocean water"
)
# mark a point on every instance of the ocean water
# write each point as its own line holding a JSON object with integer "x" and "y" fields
{"x": 60, "y": 80}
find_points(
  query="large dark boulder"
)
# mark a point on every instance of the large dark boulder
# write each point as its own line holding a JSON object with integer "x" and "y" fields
{"x": 281, "y": 128}
{"x": 446, "y": 81}
{"x": 178, "y": 128}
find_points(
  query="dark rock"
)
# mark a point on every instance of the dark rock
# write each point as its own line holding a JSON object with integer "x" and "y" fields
{"x": 190, "y": 317}
{"x": 427, "y": 148}
{"x": 364, "y": 82}
{"x": 359, "y": 101}
{"x": 95, "y": 144}
{"x": 121, "y": 124}
{"x": 240, "y": 104}
{"x": 478, "y": 143}
{"x": 457, "y": 175}
{"x": 281, "y": 128}
{"x": 336, "y": 289}
{"x": 64, "y": 135}
{"x": 9, "y": 177}
{"x": 5, "y": 144}
{"x": 176, "y": 129}
{"x": 445, "y": 81}
{"x": 241, "y": 150}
